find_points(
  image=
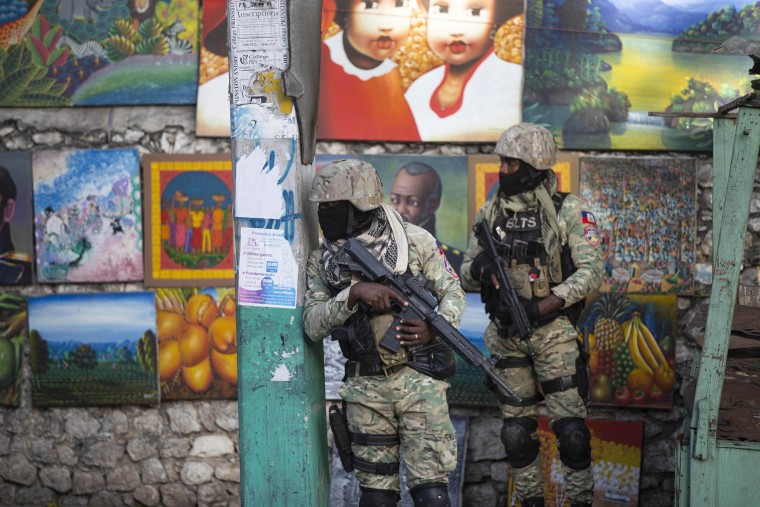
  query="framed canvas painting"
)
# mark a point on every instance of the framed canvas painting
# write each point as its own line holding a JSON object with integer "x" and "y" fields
{"x": 16, "y": 219}
{"x": 88, "y": 216}
{"x": 13, "y": 334}
{"x": 188, "y": 220}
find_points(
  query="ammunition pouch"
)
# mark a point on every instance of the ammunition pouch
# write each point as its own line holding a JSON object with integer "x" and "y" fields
{"x": 584, "y": 374}
{"x": 436, "y": 361}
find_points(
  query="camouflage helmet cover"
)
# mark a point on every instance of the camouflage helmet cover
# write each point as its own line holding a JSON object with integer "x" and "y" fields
{"x": 354, "y": 181}
{"x": 530, "y": 143}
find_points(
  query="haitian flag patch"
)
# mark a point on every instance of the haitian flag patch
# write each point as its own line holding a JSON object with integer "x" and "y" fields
{"x": 446, "y": 261}
{"x": 588, "y": 218}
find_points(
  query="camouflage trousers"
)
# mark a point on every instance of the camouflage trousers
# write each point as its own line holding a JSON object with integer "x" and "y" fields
{"x": 556, "y": 351}
{"x": 412, "y": 405}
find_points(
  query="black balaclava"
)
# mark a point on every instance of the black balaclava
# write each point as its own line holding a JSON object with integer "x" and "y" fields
{"x": 524, "y": 179}
{"x": 343, "y": 220}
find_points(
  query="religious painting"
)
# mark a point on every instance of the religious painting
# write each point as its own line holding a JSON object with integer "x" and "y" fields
{"x": 484, "y": 178}
{"x": 615, "y": 459}
{"x": 16, "y": 218}
{"x": 593, "y": 74}
{"x": 212, "y": 117}
{"x": 88, "y": 216}
{"x": 398, "y": 71}
{"x": 631, "y": 340}
{"x": 645, "y": 210}
{"x": 13, "y": 333}
{"x": 57, "y": 53}
{"x": 93, "y": 349}
{"x": 188, "y": 220}
{"x": 344, "y": 487}
{"x": 197, "y": 343}
{"x": 428, "y": 191}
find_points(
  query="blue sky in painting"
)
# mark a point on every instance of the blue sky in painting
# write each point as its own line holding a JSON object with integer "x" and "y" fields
{"x": 93, "y": 318}
{"x": 85, "y": 172}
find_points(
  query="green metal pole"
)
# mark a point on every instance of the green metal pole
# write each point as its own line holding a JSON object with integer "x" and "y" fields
{"x": 281, "y": 402}
{"x": 726, "y": 267}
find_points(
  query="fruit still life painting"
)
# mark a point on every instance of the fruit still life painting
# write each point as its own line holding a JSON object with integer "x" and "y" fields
{"x": 631, "y": 349}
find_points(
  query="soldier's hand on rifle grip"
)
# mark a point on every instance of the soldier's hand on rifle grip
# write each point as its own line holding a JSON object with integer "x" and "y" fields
{"x": 413, "y": 332}
{"x": 377, "y": 297}
{"x": 480, "y": 269}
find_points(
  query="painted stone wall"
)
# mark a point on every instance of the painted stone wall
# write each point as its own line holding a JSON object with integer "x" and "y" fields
{"x": 186, "y": 453}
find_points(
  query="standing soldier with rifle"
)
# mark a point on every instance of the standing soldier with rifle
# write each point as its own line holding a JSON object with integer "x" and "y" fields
{"x": 548, "y": 244}
{"x": 392, "y": 400}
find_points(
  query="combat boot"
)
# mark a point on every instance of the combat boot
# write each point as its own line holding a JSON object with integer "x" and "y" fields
{"x": 534, "y": 501}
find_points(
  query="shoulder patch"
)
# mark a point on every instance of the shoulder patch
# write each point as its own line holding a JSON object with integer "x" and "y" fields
{"x": 591, "y": 235}
{"x": 446, "y": 264}
{"x": 588, "y": 218}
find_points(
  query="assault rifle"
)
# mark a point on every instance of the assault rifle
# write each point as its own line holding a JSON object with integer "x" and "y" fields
{"x": 422, "y": 305}
{"x": 507, "y": 294}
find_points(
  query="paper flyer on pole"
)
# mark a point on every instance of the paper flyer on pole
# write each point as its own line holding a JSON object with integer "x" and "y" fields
{"x": 268, "y": 272}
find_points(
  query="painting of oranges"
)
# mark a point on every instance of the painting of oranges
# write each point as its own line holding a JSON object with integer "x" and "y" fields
{"x": 197, "y": 343}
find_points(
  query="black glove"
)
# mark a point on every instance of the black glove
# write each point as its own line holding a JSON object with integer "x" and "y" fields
{"x": 480, "y": 269}
{"x": 529, "y": 305}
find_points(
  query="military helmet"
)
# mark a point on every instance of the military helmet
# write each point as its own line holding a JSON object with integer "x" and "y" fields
{"x": 354, "y": 181}
{"x": 530, "y": 143}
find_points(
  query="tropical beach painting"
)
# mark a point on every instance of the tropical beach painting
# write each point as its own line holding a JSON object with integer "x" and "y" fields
{"x": 88, "y": 218}
{"x": 594, "y": 71}
{"x": 57, "y": 53}
{"x": 93, "y": 349}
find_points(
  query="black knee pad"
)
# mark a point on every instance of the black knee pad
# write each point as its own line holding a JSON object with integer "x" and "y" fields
{"x": 534, "y": 501}
{"x": 520, "y": 441}
{"x": 574, "y": 442}
{"x": 432, "y": 494}
{"x": 378, "y": 498}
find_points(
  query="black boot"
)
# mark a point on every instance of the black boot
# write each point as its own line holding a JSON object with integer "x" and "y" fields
{"x": 580, "y": 504}
{"x": 534, "y": 501}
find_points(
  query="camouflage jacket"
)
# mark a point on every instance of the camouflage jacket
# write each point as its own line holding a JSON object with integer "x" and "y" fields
{"x": 578, "y": 230}
{"x": 322, "y": 311}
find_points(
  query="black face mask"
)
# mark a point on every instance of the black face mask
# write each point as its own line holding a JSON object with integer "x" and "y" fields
{"x": 343, "y": 220}
{"x": 524, "y": 179}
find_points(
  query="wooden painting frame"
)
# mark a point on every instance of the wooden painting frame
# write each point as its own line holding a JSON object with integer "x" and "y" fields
{"x": 159, "y": 270}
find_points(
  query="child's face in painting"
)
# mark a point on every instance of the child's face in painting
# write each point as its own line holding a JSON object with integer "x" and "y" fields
{"x": 459, "y": 31}
{"x": 377, "y": 28}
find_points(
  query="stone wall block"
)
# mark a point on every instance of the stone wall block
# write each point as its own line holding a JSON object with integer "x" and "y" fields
{"x": 35, "y": 496}
{"x": 147, "y": 495}
{"x": 41, "y": 450}
{"x": 66, "y": 455}
{"x": 196, "y": 472}
{"x": 183, "y": 418}
{"x": 80, "y": 424}
{"x": 206, "y": 415}
{"x": 56, "y": 478}
{"x": 106, "y": 499}
{"x": 212, "y": 493}
{"x": 124, "y": 478}
{"x": 228, "y": 472}
{"x": 484, "y": 441}
{"x": 177, "y": 495}
{"x": 209, "y": 446}
{"x": 115, "y": 423}
{"x": 153, "y": 471}
{"x": 103, "y": 454}
{"x": 479, "y": 494}
{"x": 499, "y": 471}
{"x": 72, "y": 501}
{"x": 227, "y": 417}
{"x": 5, "y": 444}
{"x": 174, "y": 447}
{"x": 142, "y": 448}
{"x": 148, "y": 422}
{"x": 86, "y": 483}
{"x": 16, "y": 468}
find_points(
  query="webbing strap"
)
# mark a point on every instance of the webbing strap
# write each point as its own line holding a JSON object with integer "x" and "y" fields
{"x": 375, "y": 468}
{"x": 367, "y": 439}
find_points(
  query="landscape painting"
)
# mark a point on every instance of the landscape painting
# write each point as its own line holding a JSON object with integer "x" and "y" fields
{"x": 212, "y": 113}
{"x": 189, "y": 220}
{"x": 594, "y": 70}
{"x": 57, "y": 53}
{"x": 13, "y": 333}
{"x": 88, "y": 216}
{"x": 197, "y": 343}
{"x": 93, "y": 349}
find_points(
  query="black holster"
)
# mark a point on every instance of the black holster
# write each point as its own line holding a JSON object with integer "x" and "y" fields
{"x": 583, "y": 375}
{"x": 339, "y": 427}
{"x": 437, "y": 361}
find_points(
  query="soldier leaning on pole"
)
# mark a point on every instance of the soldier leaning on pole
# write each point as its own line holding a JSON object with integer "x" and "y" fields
{"x": 389, "y": 401}
{"x": 549, "y": 244}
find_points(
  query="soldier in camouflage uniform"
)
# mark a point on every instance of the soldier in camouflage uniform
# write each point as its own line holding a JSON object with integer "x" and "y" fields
{"x": 531, "y": 224}
{"x": 391, "y": 403}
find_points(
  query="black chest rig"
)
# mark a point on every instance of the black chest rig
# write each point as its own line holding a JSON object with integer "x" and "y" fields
{"x": 518, "y": 237}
